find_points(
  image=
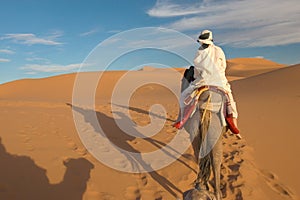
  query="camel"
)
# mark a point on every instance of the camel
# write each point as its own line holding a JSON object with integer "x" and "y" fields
{"x": 206, "y": 128}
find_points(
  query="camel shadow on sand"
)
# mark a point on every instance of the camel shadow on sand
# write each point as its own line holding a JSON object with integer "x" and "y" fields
{"x": 122, "y": 140}
{"x": 22, "y": 179}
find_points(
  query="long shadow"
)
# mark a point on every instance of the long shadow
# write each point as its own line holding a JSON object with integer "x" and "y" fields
{"x": 160, "y": 145}
{"x": 156, "y": 143}
{"x": 22, "y": 179}
{"x": 121, "y": 139}
{"x": 152, "y": 141}
{"x": 141, "y": 111}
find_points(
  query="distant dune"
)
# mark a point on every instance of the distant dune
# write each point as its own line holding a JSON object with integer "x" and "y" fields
{"x": 44, "y": 156}
{"x": 245, "y": 67}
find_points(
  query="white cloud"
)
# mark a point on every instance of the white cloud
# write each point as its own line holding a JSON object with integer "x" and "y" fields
{"x": 51, "y": 67}
{"x": 239, "y": 23}
{"x": 30, "y": 73}
{"x": 167, "y": 9}
{"x": 259, "y": 57}
{"x": 6, "y": 51}
{"x": 30, "y": 39}
{"x": 172, "y": 43}
{"x": 111, "y": 41}
{"x": 91, "y": 32}
{"x": 4, "y": 60}
{"x": 114, "y": 31}
{"x": 33, "y": 59}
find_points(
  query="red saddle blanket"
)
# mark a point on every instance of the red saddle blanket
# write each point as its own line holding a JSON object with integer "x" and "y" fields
{"x": 189, "y": 109}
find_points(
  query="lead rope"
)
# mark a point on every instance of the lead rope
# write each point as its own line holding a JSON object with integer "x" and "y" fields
{"x": 205, "y": 164}
{"x": 205, "y": 109}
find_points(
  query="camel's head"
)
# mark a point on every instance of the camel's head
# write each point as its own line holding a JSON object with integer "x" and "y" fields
{"x": 79, "y": 168}
{"x": 195, "y": 194}
{"x": 79, "y": 163}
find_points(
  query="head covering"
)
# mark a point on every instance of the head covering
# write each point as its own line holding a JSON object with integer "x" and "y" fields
{"x": 205, "y": 37}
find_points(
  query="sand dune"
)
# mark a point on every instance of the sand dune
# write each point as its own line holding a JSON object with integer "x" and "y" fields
{"x": 239, "y": 68}
{"x": 44, "y": 157}
{"x": 59, "y": 88}
{"x": 269, "y": 105}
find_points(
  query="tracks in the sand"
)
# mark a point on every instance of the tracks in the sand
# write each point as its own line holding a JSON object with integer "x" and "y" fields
{"x": 230, "y": 169}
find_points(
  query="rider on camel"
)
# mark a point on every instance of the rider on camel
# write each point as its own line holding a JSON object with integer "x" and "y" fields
{"x": 209, "y": 70}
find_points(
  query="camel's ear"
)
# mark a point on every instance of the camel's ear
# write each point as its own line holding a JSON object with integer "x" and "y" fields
{"x": 92, "y": 166}
{"x": 66, "y": 161}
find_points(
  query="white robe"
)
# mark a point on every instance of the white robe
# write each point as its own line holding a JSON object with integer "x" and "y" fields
{"x": 210, "y": 65}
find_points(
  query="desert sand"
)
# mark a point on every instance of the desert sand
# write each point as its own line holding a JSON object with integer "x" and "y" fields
{"x": 240, "y": 68}
{"x": 42, "y": 156}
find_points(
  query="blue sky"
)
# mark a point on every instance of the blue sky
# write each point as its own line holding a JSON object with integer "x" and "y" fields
{"x": 41, "y": 38}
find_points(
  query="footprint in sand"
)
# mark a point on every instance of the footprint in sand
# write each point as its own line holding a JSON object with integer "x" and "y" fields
{"x": 281, "y": 189}
{"x": 158, "y": 195}
{"x": 72, "y": 145}
{"x": 230, "y": 170}
{"x": 143, "y": 180}
{"x": 132, "y": 193}
{"x": 234, "y": 143}
{"x": 239, "y": 195}
{"x": 273, "y": 182}
{"x": 235, "y": 167}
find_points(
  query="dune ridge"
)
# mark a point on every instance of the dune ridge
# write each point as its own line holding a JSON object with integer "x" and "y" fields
{"x": 240, "y": 68}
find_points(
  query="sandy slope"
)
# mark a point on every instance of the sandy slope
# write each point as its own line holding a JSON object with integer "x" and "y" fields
{"x": 42, "y": 156}
{"x": 239, "y": 68}
{"x": 269, "y": 107}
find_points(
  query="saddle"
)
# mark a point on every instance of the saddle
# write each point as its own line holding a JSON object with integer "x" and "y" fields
{"x": 191, "y": 103}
